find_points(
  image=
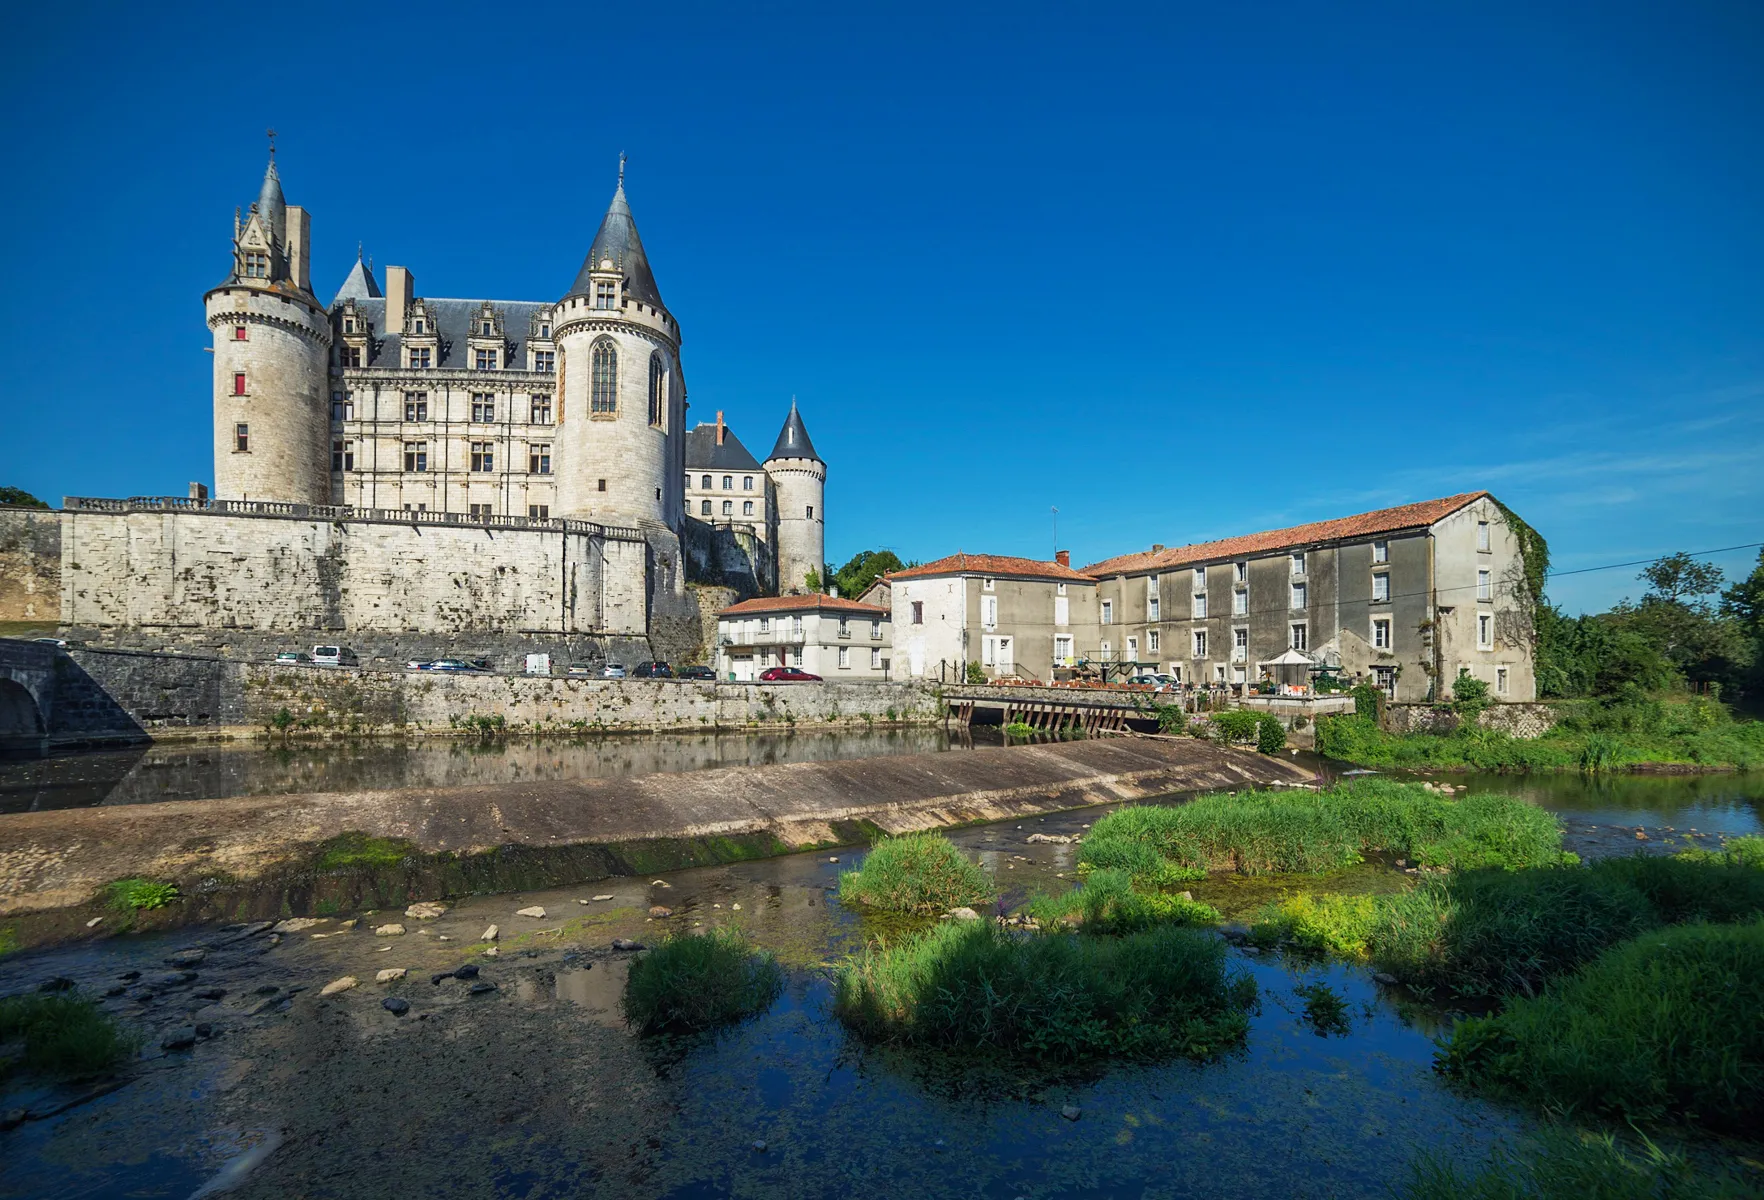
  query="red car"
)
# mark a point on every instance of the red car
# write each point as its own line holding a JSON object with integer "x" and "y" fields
{"x": 787, "y": 675}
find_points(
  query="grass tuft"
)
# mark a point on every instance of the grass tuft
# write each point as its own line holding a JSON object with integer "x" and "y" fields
{"x": 136, "y": 895}
{"x": 696, "y": 981}
{"x": 916, "y": 873}
{"x": 1107, "y": 902}
{"x": 64, "y": 1035}
{"x": 1561, "y": 1164}
{"x": 1326, "y": 1011}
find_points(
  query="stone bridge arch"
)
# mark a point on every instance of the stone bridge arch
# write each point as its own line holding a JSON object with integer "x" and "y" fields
{"x": 22, "y": 729}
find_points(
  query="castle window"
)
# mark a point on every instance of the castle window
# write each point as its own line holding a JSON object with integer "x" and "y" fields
{"x": 238, "y": 383}
{"x": 238, "y": 333}
{"x": 480, "y": 511}
{"x": 658, "y": 389}
{"x": 604, "y": 374}
{"x": 483, "y": 456}
{"x": 486, "y": 328}
{"x": 256, "y": 266}
{"x": 539, "y": 512}
{"x": 747, "y": 483}
{"x": 811, "y": 512}
{"x": 349, "y": 356}
{"x": 420, "y": 358}
{"x": 541, "y": 410}
{"x": 242, "y": 439}
{"x": 544, "y": 331}
{"x": 747, "y": 508}
{"x": 728, "y": 482}
{"x": 416, "y": 456}
{"x": 705, "y": 483}
{"x": 348, "y": 324}
{"x": 342, "y": 408}
{"x": 418, "y": 327}
{"x": 602, "y": 486}
{"x": 343, "y": 455}
{"x": 485, "y": 360}
{"x": 416, "y": 406}
{"x": 538, "y": 459}
{"x": 544, "y": 360}
{"x": 605, "y": 294}
{"x": 483, "y": 406}
{"x": 704, "y": 508}
{"x": 728, "y": 508}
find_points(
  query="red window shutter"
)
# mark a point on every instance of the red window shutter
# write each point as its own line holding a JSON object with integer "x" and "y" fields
{"x": 238, "y": 333}
{"x": 238, "y": 383}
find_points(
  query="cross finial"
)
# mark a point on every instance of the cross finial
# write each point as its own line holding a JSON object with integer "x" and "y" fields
{"x": 621, "y": 168}
{"x": 358, "y": 252}
{"x": 272, "y": 141}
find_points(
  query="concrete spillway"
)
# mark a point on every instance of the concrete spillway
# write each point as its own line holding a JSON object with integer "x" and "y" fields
{"x": 60, "y": 859}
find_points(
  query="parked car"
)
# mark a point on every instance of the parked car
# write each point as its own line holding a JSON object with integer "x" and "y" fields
{"x": 613, "y": 671}
{"x": 580, "y": 671}
{"x": 58, "y": 643}
{"x": 696, "y": 672}
{"x": 293, "y": 657}
{"x": 1156, "y": 680}
{"x": 416, "y": 664}
{"x": 653, "y": 670}
{"x": 454, "y": 665}
{"x": 787, "y": 675}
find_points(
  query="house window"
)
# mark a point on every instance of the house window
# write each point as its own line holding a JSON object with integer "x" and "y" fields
{"x": 1199, "y": 609}
{"x": 349, "y": 356}
{"x": 416, "y": 406}
{"x": 1062, "y": 649}
{"x": 1381, "y": 587}
{"x": 483, "y": 456}
{"x": 1485, "y": 585}
{"x": 538, "y": 459}
{"x": 1108, "y": 612}
{"x": 765, "y": 624}
{"x": 1485, "y": 631}
{"x": 485, "y": 360}
{"x": 545, "y": 360}
{"x": 747, "y": 508}
{"x": 541, "y": 410}
{"x": 986, "y": 584}
{"x": 1132, "y": 650}
{"x": 844, "y": 657}
{"x": 875, "y": 631}
{"x": 1381, "y": 639}
{"x": 238, "y": 333}
{"x": 658, "y": 388}
{"x": 1384, "y": 679}
{"x": 539, "y": 512}
{"x": 238, "y": 383}
{"x": 604, "y": 372}
{"x": 728, "y": 483}
{"x": 483, "y": 407}
{"x": 606, "y": 294}
{"x": 704, "y": 508}
{"x": 1380, "y": 552}
{"x": 416, "y": 456}
{"x": 1500, "y": 681}
{"x": 420, "y": 359}
{"x": 1151, "y": 608}
{"x": 242, "y": 439}
{"x": 795, "y": 624}
{"x": 1059, "y": 589}
{"x": 1298, "y": 596}
{"x": 796, "y": 656}
{"x": 1482, "y": 535}
{"x": 1242, "y": 569}
{"x": 1200, "y": 579}
{"x": 705, "y": 482}
{"x": 1240, "y": 603}
{"x": 1297, "y": 640}
{"x": 343, "y": 455}
{"x": 1200, "y": 643}
{"x": 728, "y": 508}
{"x": 747, "y": 483}
{"x": 1239, "y": 645}
{"x": 918, "y": 612}
{"x": 875, "y": 658}
{"x": 1151, "y": 641}
{"x": 1298, "y": 562}
{"x": 989, "y": 612}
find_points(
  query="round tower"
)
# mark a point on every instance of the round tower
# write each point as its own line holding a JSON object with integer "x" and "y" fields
{"x": 621, "y": 399}
{"x": 272, "y": 344}
{"x": 799, "y": 483}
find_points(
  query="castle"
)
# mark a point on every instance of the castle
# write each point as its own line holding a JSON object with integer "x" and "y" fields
{"x": 440, "y": 467}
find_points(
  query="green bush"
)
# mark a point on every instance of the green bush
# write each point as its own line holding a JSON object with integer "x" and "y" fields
{"x": 916, "y": 873}
{"x": 1368, "y": 702}
{"x": 1326, "y": 1010}
{"x": 1107, "y": 902}
{"x": 64, "y": 1034}
{"x": 134, "y": 895}
{"x": 1270, "y": 734}
{"x": 696, "y": 981}
{"x": 1020, "y": 729}
{"x": 1561, "y": 1164}
{"x": 1236, "y": 726}
{"x": 976, "y": 673}
{"x": 971, "y": 986}
{"x": 1665, "y": 1027}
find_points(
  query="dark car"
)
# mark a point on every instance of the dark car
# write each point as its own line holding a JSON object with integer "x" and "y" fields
{"x": 653, "y": 670}
{"x": 787, "y": 675}
{"x": 449, "y": 665}
{"x": 698, "y": 672}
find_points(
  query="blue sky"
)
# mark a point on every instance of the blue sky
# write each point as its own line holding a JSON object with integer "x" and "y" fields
{"x": 1182, "y": 271}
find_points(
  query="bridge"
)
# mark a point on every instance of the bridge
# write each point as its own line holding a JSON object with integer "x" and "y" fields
{"x": 48, "y": 702}
{"x": 1092, "y": 708}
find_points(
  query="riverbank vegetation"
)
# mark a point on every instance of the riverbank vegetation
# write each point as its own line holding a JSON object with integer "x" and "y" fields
{"x": 1565, "y": 1164}
{"x": 1108, "y": 903}
{"x": 916, "y": 873}
{"x": 695, "y": 981}
{"x": 62, "y": 1034}
{"x": 973, "y": 987}
{"x": 1304, "y": 831}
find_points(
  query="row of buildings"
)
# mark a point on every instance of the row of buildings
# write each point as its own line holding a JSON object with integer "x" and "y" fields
{"x": 1400, "y": 597}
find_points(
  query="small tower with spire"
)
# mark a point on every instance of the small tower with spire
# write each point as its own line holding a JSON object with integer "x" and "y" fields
{"x": 799, "y": 482}
{"x": 272, "y": 343}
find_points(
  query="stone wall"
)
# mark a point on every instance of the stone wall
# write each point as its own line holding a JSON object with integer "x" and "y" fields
{"x": 30, "y": 565}
{"x": 1519, "y": 720}
{"x": 165, "y": 691}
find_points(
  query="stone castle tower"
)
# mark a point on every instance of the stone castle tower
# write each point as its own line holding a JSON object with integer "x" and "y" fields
{"x": 272, "y": 346}
{"x": 799, "y": 478}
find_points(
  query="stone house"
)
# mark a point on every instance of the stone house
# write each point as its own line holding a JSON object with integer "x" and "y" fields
{"x": 828, "y": 636}
{"x": 1013, "y": 616}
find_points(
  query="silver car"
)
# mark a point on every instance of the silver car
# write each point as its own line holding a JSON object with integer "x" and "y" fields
{"x": 613, "y": 671}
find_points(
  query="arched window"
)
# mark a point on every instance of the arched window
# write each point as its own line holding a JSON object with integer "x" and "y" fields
{"x": 605, "y": 375}
{"x": 658, "y": 390}
{"x": 704, "y": 507}
{"x": 707, "y": 483}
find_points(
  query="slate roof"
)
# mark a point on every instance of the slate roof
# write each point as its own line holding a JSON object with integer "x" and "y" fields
{"x": 360, "y": 285}
{"x": 453, "y": 325}
{"x": 814, "y": 601}
{"x": 617, "y": 239}
{"x": 1385, "y": 520}
{"x": 1002, "y": 565}
{"x": 793, "y": 439}
{"x": 703, "y": 453}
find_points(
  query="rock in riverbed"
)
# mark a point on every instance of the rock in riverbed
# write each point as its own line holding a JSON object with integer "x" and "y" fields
{"x": 963, "y": 914}
{"x": 1071, "y": 1112}
{"x": 660, "y": 910}
{"x": 338, "y": 985}
{"x": 490, "y": 934}
{"x": 1048, "y": 839}
{"x": 482, "y": 987}
{"x": 184, "y": 959}
{"x": 626, "y": 944}
{"x": 391, "y": 973}
{"x": 603, "y": 897}
{"x": 388, "y": 930}
{"x": 395, "y": 1005}
{"x": 296, "y": 924}
{"x": 425, "y": 910}
{"x": 179, "y": 1039}
{"x": 535, "y": 912}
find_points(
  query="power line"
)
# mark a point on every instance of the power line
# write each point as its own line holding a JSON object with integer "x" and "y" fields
{"x": 1642, "y": 562}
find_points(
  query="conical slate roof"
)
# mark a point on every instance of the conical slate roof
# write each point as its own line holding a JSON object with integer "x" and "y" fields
{"x": 618, "y": 240}
{"x": 793, "y": 439}
{"x": 271, "y": 205}
{"x": 360, "y": 285}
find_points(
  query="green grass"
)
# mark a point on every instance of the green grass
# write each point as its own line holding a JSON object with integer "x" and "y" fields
{"x": 1312, "y": 832}
{"x": 971, "y": 987}
{"x": 1107, "y": 902}
{"x": 1561, "y": 1164}
{"x": 356, "y": 851}
{"x": 916, "y": 873}
{"x": 135, "y": 895}
{"x": 64, "y": 1035}
{"x": 1665, "y": 1027}
{"x": 1020, "y": 729}
{"x": 1326, "y": 1011}
{"x": 8, "y": 941}
{"x": 696, "y": 981}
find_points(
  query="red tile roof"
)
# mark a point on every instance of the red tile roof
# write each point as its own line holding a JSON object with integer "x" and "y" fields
{"x": 814, "y": 601}
{"x": 1385, "y": 520}
{"x": 1002, "y": 565}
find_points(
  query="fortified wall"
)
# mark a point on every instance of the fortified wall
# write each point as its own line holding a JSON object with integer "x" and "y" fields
{"x": 30, "y": 565}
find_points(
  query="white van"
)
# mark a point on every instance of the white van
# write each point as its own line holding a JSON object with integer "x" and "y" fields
{"x": 334, "y": 656}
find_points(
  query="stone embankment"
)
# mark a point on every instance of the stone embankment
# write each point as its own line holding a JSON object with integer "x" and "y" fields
{"x": 62, "y": 859}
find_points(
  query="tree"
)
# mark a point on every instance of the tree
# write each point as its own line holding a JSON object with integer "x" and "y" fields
{"x": 864, "y": 568}
{"x": 1679, "y": 577}
{"x": 19, "y": 498}
{"x": 812, "y": 581}
{"x": 1743, "y": 603}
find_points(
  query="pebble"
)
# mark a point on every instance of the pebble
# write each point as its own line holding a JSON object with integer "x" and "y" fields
{"x": 94, "y": 921}
{"x": 760, "y": 1145}
{"x": 443, "y": 938}
{"x": 296, "y": 924}
{"x": 492, "y": 952}
{"x": 389, "y": 931}
{"x": 395, "y": 1005}
{"x": 490, "y": 934}
{"x": 1071, "y": 1112}
{"x": 181, "y": 1039}
{"x": 425, "y": 910}
{"x": 659, "y": 910}
{"x": 603, "y": 897}
{"x": 351, "y": 923}
{"x": 659, "y": 883}
{"x": 833, "y": 858}
{"x": 382, "y": 949}
{"x": 482, "y": 987}
{"x": 129, "y": 976}
{"x": 391, "y": 973}
{"x": 535, "y": 911}
{"x": 584, "y": 901}
{"x": 1048, "y": 839}
{"x": 626, "y": 944}
{"x": 338, "y": 985}
{"x": 736, "y": 907}
{"x": 963, "y": 914}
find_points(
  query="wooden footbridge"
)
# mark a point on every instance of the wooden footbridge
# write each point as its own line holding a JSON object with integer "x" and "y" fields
{"x": 1090, "y": 707}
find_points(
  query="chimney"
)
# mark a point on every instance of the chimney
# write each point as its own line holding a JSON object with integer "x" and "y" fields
{"x": 1063, "y": 557}
{"x": 198, "y": 491}
{"x": 720, "y": 427}
{"x": 398, "y": 291}
{"x": 300, "y": 247}
{"x": 1157, "y": 546}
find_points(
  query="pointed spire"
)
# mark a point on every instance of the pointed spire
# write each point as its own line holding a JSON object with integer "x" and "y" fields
{"x": 793, "y": 439}
{"x": 270, "y": 204}
{"x": 359, "y": 285}
{"x": 617, "y": 240}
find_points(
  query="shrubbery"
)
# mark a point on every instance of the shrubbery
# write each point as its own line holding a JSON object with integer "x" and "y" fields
{"x": 699, "y": 980}
{"x": 64, "y": 1034}
{"x": 916, "y": 873}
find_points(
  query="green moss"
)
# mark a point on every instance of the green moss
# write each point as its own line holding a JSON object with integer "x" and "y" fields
{"x": 136, "y": 895}
{"x": 8, "y": 941}
{"x": 354, "y": 851}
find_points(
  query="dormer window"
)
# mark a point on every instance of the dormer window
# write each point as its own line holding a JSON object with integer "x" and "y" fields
{"x": 544, "y": 331}
{"x": 348, "y": 324}
{"x": 484, "y": 360}
{"x": 606, "y": 294}
{"x": 419, "y": 327}
{"x": 256, "y": 265}
{"x": 486, "y": 328}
